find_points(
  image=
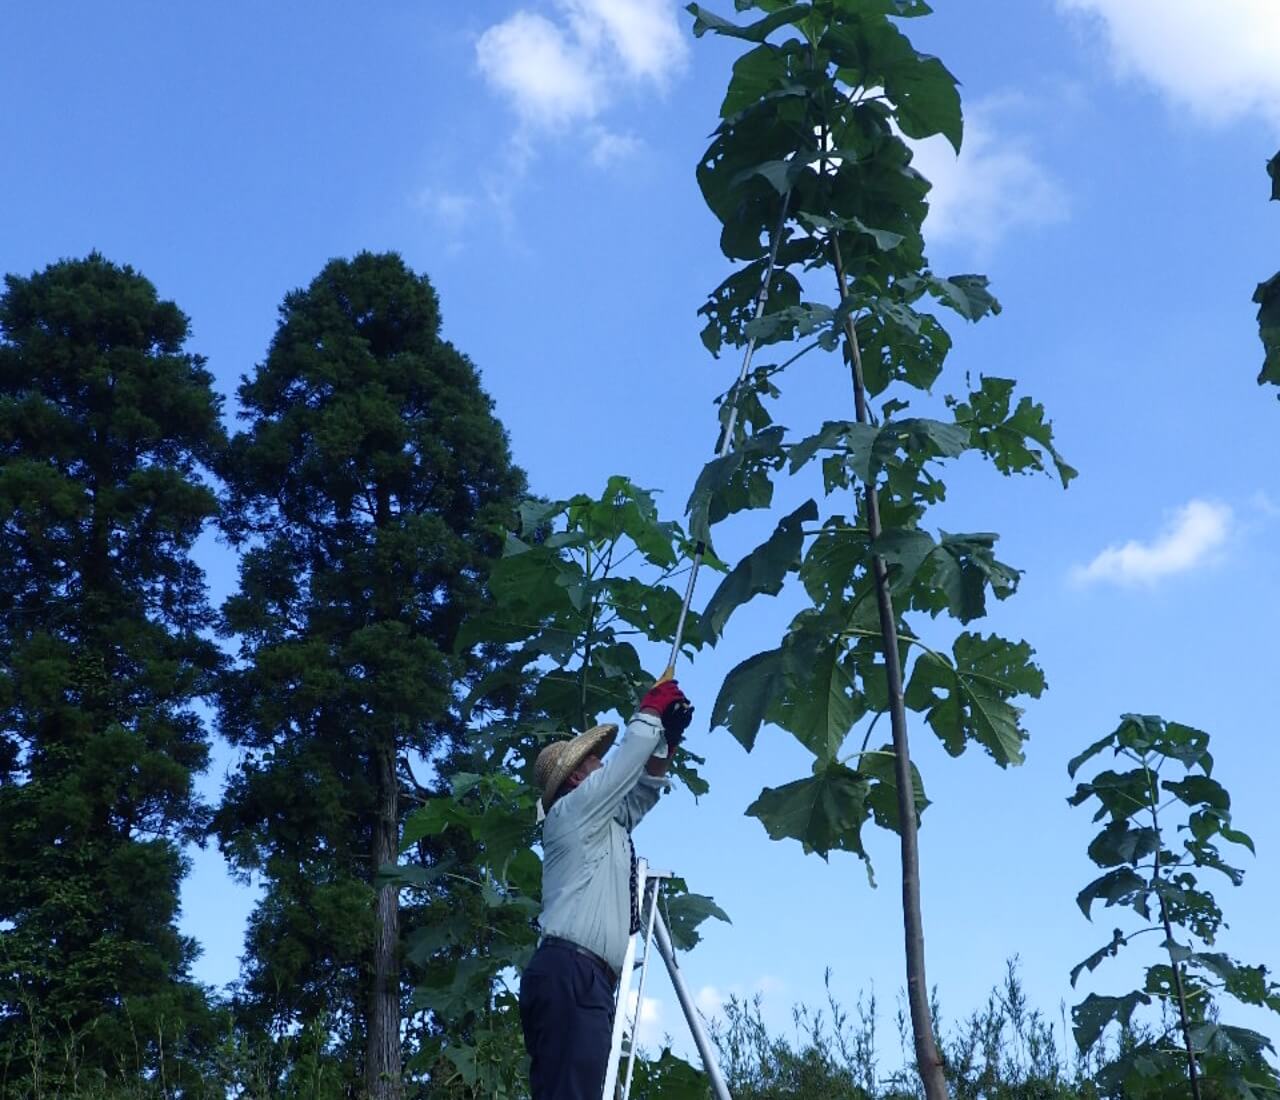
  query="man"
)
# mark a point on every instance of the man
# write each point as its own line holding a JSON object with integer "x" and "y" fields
{"x": 589, "y": 903}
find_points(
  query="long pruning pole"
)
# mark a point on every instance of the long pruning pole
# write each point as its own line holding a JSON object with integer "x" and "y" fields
{"x": 928, "y": 1060}
{"x": 726, "y": 439}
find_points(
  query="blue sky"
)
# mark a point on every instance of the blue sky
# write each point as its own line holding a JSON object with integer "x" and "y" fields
{"x": 536, "y": 161}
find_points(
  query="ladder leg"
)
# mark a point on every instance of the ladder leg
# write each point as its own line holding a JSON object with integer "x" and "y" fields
{"x": 620, "y": 1002}
{"x": 652, "y": 897}
{"x": 718, "y": 1088}
{"x": 619, "y": 1021}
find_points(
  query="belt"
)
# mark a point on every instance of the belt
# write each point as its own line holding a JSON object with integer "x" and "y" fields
{"x": 558, "y": 941}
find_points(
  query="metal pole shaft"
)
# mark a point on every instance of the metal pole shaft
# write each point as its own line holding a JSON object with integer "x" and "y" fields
{"x": 726, "y": 440}
{"x": 718, "y": 1088}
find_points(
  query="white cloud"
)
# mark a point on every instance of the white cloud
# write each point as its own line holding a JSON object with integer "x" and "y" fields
{"x": 1194, "y": 533}
{"x": 644, "y": 34}
{"x": 709, "y": 1000}
{"x": 651, "y": 1030}
{"x": 549, "y": 79}
{"x": 451, "y": 209}
{"x": 610, "y": 148}
{"x": 993, "y": 189}
{"x": 1219, "y": 59}
{"x": 1263, "y": 502}
{"x": 561, "y": 72}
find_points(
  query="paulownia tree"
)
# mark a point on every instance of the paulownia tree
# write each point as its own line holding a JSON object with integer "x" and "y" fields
{"x": 366, "y": 488}
{"x": 810, "y": 174}
{"x": 1165, "y": 821}
{"x": 584, "y": 604}
{"x": 106, "y": 423}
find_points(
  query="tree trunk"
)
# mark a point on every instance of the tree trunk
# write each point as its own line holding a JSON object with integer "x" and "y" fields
{"x": 382, "y": 1052}
{"x": 928, "y": 1060}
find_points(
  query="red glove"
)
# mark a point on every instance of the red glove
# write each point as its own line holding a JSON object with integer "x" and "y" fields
{"x": 661, "y": 696}
{"x": 672, "y": 706}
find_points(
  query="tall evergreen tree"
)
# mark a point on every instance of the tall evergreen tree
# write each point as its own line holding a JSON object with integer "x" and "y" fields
{"x": 105, "y": 423}
{"x": 367, "y": 487}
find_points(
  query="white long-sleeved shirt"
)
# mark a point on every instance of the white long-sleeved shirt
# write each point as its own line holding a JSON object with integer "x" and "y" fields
{"x": 586, "y": 856}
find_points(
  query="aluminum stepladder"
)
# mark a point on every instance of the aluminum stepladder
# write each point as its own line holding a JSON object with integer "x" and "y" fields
{"x": 653, "y": 934}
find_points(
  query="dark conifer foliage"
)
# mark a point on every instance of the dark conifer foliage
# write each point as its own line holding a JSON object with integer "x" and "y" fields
{"x": 105, "y": 425}
{"x": 366, "y": 489}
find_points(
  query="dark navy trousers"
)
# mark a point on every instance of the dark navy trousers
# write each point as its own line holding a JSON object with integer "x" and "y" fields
{"x": 566, "y": 1009}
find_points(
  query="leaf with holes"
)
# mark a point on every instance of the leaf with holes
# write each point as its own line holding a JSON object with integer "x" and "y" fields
{"x": 1091, "y": 1017}
{"x": 1006, "y": 437}
{"x": 968, "y": 698}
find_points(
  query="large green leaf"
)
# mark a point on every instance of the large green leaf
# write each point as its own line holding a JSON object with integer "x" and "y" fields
{"x": 868, "y": 449}
{"x": 1248, "y": 984}
{"x": 969, "y": 295}
{"x": 758, "y": 31}
{"x": 806, "y": 686}
{"x": 1076, "y": 762}
{"x": 920, "y": 437}
{"x": 1121, "y": 886}
{"x": 823, "y": 812}
{"x": 1199, "y": 790}
{"x": 747, "y": 694}
{"x": 872, "y": 52}
{"x": 652, "y": 609}
{"x": 684, "y": 912}
{"x": 968, "y": 698}
{"x": 963, "y": 568}
{"x": 801, "y": 321}
{"x": 528, "y": 585}
{"x": 759, "y": 74}
{"x": 1109, "y": 950}
{"x": 734, "y": 482}
{"x": 878, "y": 767}
{"x": 1121, "y": 843}
{"x": 1120, "y": 794}
{"x": 913, "y": 353}
{"x": 819, "y": 703}
{"x": 1006, "y": 436}
{"x": 960, "y": 570}
{"x": 761, "y": 571}
{"x": 904, "y": 550}
{"x": 1091, "y": 1017}
{"x": 884, "y": 239}
{"x": 669, "y": 1078}
{"x": 833, "y": 560}
{"x": 856, "y": 440}
{"x": 1146, "y": 734}
{"x": 1267, "y": 298}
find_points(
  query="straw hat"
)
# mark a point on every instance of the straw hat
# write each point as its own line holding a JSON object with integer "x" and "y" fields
{"x": 557, "y": 761}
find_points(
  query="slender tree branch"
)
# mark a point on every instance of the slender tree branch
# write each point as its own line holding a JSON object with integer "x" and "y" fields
{"x": 1192, "y": 1068}
{"x": 928, "y": 1059}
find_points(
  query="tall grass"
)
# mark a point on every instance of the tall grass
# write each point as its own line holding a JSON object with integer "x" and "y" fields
{"x": 1005, "y": 1050}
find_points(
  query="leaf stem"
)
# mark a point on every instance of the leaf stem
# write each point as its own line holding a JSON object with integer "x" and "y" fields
{"x": 870, "y": 729}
